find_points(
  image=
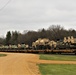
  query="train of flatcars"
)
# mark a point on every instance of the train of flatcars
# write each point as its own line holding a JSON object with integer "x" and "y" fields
{"x": 67, "y": 45}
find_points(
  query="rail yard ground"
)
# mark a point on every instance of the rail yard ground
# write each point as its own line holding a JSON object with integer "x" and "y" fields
{"x": 30, "y": 64}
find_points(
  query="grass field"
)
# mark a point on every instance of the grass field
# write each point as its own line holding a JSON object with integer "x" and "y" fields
{"x": 58, "y": 57}
{"x": 47, "y": 69}
{"x": 1, "y": 55}
{"x": 57, "y": 69}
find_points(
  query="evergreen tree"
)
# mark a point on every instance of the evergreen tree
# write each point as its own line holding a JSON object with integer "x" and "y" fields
{"x": 8, "y": 37}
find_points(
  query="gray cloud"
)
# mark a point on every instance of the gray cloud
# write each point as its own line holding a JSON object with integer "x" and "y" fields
{"x": 35, "y": 14}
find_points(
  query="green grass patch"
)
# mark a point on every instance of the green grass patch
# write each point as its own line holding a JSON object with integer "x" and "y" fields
{"x": 58, "y": 57}
{"x": 1, "y": 55}
{"x": 47, "y": 69}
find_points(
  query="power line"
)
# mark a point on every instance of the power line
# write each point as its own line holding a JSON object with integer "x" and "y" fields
{"x": 5, "y": 5}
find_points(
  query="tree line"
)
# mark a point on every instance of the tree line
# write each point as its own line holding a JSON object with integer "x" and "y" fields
{"x": 54, "y": 32}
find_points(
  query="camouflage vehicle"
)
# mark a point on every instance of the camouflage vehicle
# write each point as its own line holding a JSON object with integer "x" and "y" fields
{"x": 52, "y": 44}
{"x": 67, "y": 43}
{"x": 40, "y": 44}
{"x": 23, "y": 46}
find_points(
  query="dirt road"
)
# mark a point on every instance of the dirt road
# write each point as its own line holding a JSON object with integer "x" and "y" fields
{"x": 24, "y": 64}
{"x": 17, "y": 64}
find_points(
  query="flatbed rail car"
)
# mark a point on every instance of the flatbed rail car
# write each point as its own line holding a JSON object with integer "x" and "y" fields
{"x": 51, "y": 51}
{"x": 64, "y": 51}
{"x": 68, "y": 45}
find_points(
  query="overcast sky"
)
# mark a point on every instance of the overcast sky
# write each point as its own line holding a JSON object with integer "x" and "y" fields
{"x": 23, "y": 15}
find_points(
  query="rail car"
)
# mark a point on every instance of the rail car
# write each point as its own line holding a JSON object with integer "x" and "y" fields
{"x": 43, "y": 46}
{"x": 58, "y": 49}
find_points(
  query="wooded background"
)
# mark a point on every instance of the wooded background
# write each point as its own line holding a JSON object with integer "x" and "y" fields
{"x": 54, "y": 32}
